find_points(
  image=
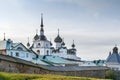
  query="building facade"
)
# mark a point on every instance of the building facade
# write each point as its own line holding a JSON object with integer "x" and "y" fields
{"x": 18, "y": 50}
{"x": 42, "y": 46}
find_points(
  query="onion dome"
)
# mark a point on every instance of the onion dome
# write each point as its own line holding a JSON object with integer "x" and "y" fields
{"x": 58, "y": 38}
{"x": 63, "y": 43}
{"x": 115, "y": 50}
{"x": 28, "y": 44}
{"x": 73, "y": 45}
{"x": 36, "y": 37}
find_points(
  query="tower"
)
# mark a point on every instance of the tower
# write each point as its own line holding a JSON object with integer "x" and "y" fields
{"x": 40, "y": 44}
{"x": 42, "y": 36}
{"x": 58, "y": 41}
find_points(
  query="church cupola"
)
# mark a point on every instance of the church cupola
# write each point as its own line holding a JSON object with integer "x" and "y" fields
{"x": 73, "y": 45}
{"x": 58, "y": 39}
{"x": 115, "y": 49}
{"x": 36, "y": 37}
{"x": 63, "y": 43}
{"x": 28, "y": 44}
{"x": 42, "y": 36}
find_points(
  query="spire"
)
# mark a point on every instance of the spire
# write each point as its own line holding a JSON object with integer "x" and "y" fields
{"x": 4, "y": 37}
{"x": 41, "y": 20}
{"x": 58, "y": 31}
{"x": 41, "y": 30}
{"x": 42, "y": 36}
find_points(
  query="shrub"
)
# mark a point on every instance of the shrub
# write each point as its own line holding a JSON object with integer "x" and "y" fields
{"x": 111, "y": 74}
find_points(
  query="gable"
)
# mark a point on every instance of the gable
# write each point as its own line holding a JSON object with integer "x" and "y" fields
{"x": 20, "y": 47}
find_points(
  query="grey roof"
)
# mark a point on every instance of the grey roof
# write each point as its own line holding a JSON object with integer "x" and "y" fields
{"x": 52, "y": 68}
{"x": 55, "y": 60}
{"x": 113, "y": 58}
{"x": 74, "y": 68}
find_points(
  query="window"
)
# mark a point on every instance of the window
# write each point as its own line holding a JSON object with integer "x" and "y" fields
{"x": 38, "y": 51}
{"x": 19, "y": 48}
{"x": 17, "y": 54}
{"x": 27, "y": 55}
{"x": 47, "y": 52}
{"x": 11, "y": 53}
{"x": 38, "y": 44}
{"x": 47, "y": 45}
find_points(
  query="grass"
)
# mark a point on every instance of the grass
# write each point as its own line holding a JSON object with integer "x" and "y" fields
{"x": 16, "y": 76}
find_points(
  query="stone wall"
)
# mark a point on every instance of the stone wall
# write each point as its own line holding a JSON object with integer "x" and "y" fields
{"x": 9, "y": 66}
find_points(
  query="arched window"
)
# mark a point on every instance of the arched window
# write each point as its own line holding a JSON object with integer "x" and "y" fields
{"x": 19, "y": 48}
{"x": 38, "y": 51}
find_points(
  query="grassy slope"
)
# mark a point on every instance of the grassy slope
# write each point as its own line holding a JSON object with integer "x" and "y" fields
{"x": 11, "y": 76}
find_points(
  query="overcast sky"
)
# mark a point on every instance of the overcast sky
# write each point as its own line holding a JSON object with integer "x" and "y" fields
{"x": 93, "y": 24}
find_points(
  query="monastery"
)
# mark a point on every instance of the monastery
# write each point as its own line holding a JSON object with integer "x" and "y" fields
{"x": 41, "y": 51}
{"x": 42, "y": 58}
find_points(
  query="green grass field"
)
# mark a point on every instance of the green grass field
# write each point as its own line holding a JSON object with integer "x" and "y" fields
{"x": 15, "y": 76}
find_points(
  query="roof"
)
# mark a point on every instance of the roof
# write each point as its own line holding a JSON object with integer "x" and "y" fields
{"x": 53, "y": 68}
{"x": 74, "y": 68}
{"x": 55, "y": 59}
{"x": 113, "y": 58}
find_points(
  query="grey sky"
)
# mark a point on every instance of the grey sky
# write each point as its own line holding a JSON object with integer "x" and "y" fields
{"x": 93, "y": 24}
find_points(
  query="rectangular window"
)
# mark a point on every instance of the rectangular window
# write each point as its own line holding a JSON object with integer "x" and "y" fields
{"x": 17, "y": 54}
{"x": 11, "y": 53}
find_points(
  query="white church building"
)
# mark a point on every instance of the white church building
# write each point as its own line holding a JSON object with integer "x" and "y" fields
{"x": 42, "y": 46}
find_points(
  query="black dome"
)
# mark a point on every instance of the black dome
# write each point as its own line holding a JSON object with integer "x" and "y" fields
{"x": 73, "y": 45}
{"x": 58, "y": 39}
{"x": 36, "y": 37}
{"x": 115, "y": 50}
{"x": 63, "y": 43}
{"x": 28, "y": 44}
